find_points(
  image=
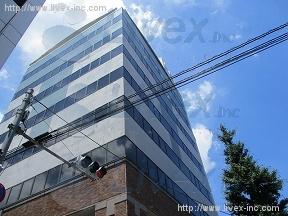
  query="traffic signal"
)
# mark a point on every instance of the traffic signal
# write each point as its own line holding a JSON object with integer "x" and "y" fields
{"x": 93, "y": 167}
{"x": 101, "y": 172}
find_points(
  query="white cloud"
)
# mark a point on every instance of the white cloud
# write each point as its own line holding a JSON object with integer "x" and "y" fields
{"x": 3, "y": 74}
{"x": 241, "y": 24}
{"x": 44, "y": 31}
{"x": 204, "y": 141}
{"x": 192, "y": 100}
{"x": 150, "y": 25}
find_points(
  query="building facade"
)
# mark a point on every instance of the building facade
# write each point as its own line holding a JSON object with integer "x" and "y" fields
{"x": 15, "y": 17}
{"x": 95, "y": 93}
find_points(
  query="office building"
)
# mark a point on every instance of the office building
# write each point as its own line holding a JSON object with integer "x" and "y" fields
{"x": 87, "y": 95}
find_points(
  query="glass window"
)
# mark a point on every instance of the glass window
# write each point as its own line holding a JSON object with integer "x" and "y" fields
{"x": 161, "y": 176}
{"x": 91, "y": 88}
{"x": 117, "y": 147}
{"x": 116, "y": 33}
{"x": 99, "y": 30}
{"x": 152, "y": 170}
{"x": 80, "y": 94}
{"x": 65, "y": 81}
{"x": 94, "y": 64}
{"x": 107, "y": 25}
{"x": 14, "y": 194}
{"x": 116, "y": 74}
{"x": 172, "y": 156}
{"x": 48, "y": 91}
{"x": 130, "y": 150}
{"x": 88, "y": 50}
{"x": 162, "y": 144}
{"x": 30, "y": 122}
{"x": 97, "y": 45}
{"x": 147, "y": 128}
{"x": 116, "y": 19}
{"x": 116, "y": 51}
{"x": 59, "y": 106}
{"x": 40, "y": 80}
{"x": 92, "y": 34}
{"x": 26, "y": 189}
{"x": 55, "y": 71}
{"x": 27, "y": 152}
{"x": 84, "y": 70}
{"x": 47, "y": 76}
{"x": 142, "y": 161}
{"x": 133, "y": 62}
{"x": 179, "y": 194}
{"x": 53, "y": 177}
{"x": 63, "y": 66}
{"x": 184, "y": 169}
{"x": 57, "y": 86}
{"x": 104, "y": 81}
{"x": 101, "y": 112}
{"x": 80, "y": 55}
{"x": 3, "y": 203}
{"x": 99, "y": 155}
{"x": 17, "y": 158}
{"x": 39, "y": 117}
{"x": 75, "y": 76}
{"x": 127, "y": 76}
{"x": 138, "y": 118}
{"x": 69, "y": 100}
{"x": 169, "y": 185}
{"x": 106, "y": 39}
{"x": 105, "y": 58}
{"x": 126, "y": 53}
{"x": 68, "y": 49}
{"x": 83, "y": 40}
{"x": 66, "y": 172}
{"x": 39, "y": 183}
{"x": 155, "y": 136}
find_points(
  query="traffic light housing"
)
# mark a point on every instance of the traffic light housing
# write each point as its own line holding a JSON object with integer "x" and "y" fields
{"x": 101, "y": 172}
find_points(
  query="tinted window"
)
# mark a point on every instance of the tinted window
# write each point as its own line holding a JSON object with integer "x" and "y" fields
{"x": 162, "y": 144}
{"x": 48, "y": 112}
{"x": 14, "y": 194}
{"x": 116, "y": 51}
{"x": 80, "y": 94}
{"x": 179, "y": 194}
{"x": 152, "y": 170}
{"x": 99, "y": 155}
{"x": 99, "y": 30}
{"x": 104, "y": 81}
{"x": 57, "y": 86}
{"x": 55, "y": 71}
{"x": 147, "y": 128}
{"x": 65, "y": 81}
{"x": 39, "y": 117}
{"x": 53, "y": 177}
{"x": 80, "y": 55}
{"x": 91, "y": 88}
{"x": 142, "y": 161}
{"x": 94, "y": 64}
{"x": 116, "y": 19}
{"x": 39, "y": 182}
{"x": 88, "y": 50}
{"x": 92, "y": 34}
{"x": 66, "y": 172}
{"x": 75, "y": 75}
{"x": 69, "y": 100}
{"x": 138, "y": 118}
{"x": 107, "y": 24}
{"x": 59, "y": 106}
{"x": 48, "y": 91}
{"x": 63, "y": 66}
{"x": 117, "y": 147}
{"x": 47, "y": 76}
{"x": 85, "y": 69}
{"x": 97, "y": 45}
{"x": 106, "y": 39}
{"x": 26, "y": 189}
{"x": 130, "y": 150}
{"x": 172, "y": 156}
{"x": 116, "y": 33}
{"x": 117, "y": 74}
{"x": 169, "y": 185}
{"x": 105, "y": 58}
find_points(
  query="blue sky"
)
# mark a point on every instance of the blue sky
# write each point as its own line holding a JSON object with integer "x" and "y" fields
{"x": 254, "y": 89}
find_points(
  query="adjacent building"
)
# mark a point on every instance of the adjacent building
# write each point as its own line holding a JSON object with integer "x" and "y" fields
{"x": 95, "y": 92}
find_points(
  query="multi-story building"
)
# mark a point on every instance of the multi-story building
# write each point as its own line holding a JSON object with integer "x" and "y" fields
{"x": 95, "y": 93}
{"x": 15, "y": 17}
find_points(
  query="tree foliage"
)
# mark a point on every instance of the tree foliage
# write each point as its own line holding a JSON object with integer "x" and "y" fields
{"x": 247, "y": 184}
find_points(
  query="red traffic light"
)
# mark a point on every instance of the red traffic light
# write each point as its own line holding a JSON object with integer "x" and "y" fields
{"x": 101, "y": 172}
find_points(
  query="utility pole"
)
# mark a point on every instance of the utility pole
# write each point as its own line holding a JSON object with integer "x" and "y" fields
{"x": 14, "y": 126}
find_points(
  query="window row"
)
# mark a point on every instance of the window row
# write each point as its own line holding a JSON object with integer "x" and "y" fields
{"x": 163, "y": 75}
{"x": 69, "y": 62}
{"x": 143, "y": 123}
{"x": 109, "y": 152}
{"x": 137, "y": 88}
{"x": 95, "y": 116}
{"x": 71, "y": 77}
{"x": 72, "y": 47}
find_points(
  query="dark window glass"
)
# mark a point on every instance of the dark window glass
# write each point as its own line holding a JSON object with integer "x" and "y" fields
{"x": 48, "y": 91}
{"x": 104, "y": 81}
{"x": 92, "y": 34}
{"x": 57, "y": 86}
{"x": 66, "y": 172}
{"x": 39, "y": 117}
{"x": 185, "y": 169}
{"x": 68, "y": 49}
{"x": 80, "y": 94}
{"x": 75, "y": 76}
{"x": 166, "y": 125}
{"x": 135, "y": 86}
{"x": 63, "y": 66}
{"x": 106, "y": 39}
{"x": 88, "y": 50}
{"x": 27, "y": 152}
{"x": 65, "y": 81}
{"x": 14, "y": 194}
{"x": 155, "y": 136}
{"x": 84, "y": 70}
{"x": 97, "y": 45}
{"x": 115, "y": 75}
{"x": 130, "y": 150}
{"x": 161, "y": 176}
{"x": 105, "y": 58}
{"x": 147, "y": 128}
{"x": 40, "y": 80}
{"x": 169, "y": 185}
{"x": 152, "y": 170}
{"x": 127, "y": 76}
{"x": 94, "y": 64}
{"x": 116, "y": 19}
{"x": 80, "y": 55}
{"x": 117, "y": 147}
{"x": 17, "y": 158}
{"x": 107, "y": 25}
{"x": 54, "y": 59}
{"x": 180, "y": 195}
{"x": 69, "y": 100}
{"x": 48, "y": 112}
{"x": 47, "y": 76}
{"x": 116, "y": 33}
{"x": 126, "y": 53}
{"x": 101, "y": 112}
{"x": 55, "y": 71}
{"x": 162, "y": 144}
{"x": 30, "y": 122}
{"x": 39, "y": 183}
{"x": 116, "y": 51}
{"x": 83, "y": 40}
{"x": 172, "y": 156}
{"x": 88, "y": 119}
{"x": 99, "y": 155}
{"x": 138, "y": 118}
{"x": 133, "y": 62}
{"x": 76, "y": 44}
{"x": 141, "y": 73}
{"x": 91, "y": 88}
{"x": 53, "y": 177}
{"x": 138, "y": 53}
{"x": 142, "y": 161}
{"x": 59, "y": 106}
{"x": 26, "y": 189}
{"x": 99, "y": 30}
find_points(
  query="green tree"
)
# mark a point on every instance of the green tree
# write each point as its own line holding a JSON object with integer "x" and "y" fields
{"x": 248, "y": 185}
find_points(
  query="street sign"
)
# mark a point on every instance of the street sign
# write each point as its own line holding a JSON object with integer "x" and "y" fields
{"x": 2, "y": 192}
